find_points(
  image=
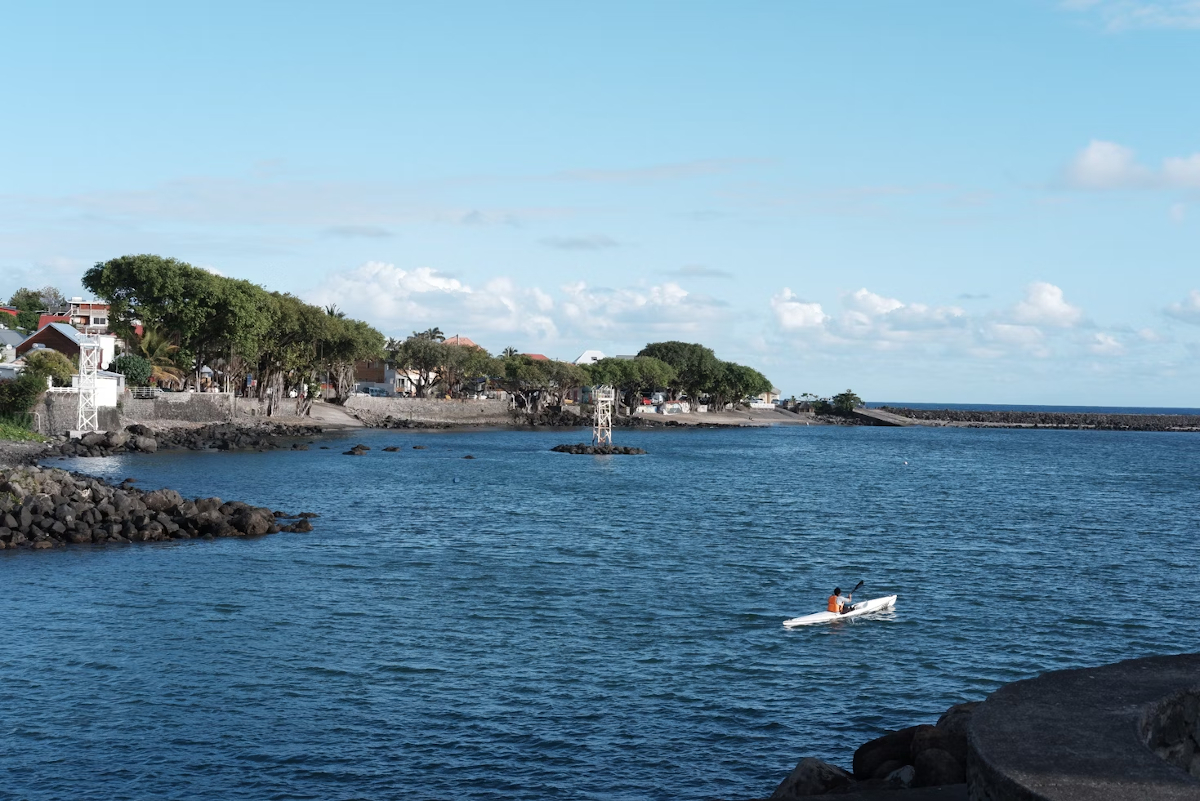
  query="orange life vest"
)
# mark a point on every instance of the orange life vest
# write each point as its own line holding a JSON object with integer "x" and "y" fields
{"x": 834, "y": 604}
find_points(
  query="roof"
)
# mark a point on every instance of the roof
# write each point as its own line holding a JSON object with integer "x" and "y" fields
{"x": 66, "y": 331}
{"x": 10, "y": 310}
{"x": 10, "y": 338}
{"x": 589, "y": 357}
{"x": 537, "y": 357}
{"x": 47, "y": 319}
{"x": 458, "y": 339}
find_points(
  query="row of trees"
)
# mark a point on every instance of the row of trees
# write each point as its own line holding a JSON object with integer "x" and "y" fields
{"x": 194, "y": 317}
{"x": 680, "y": 368}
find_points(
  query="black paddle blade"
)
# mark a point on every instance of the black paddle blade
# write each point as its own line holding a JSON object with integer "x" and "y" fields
{"x": 856, "y": 586}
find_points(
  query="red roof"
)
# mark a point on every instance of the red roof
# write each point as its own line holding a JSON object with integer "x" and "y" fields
{"x": 45, "y": 320}
{"x": 461, "y": 340}
{"x": 10, "y": 310}
{"x": 537, "y": 357}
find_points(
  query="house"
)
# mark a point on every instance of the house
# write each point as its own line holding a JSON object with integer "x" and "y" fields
{"x": 109, "y": 387}
{"x": 461, "y": 341}
{"x": 88, "y": 316}
{"x": 589, "y": 357}
{"x": 46, "y": 318}
{"x": 766, "y": 400}
{"x": 66, "y": 340}
{"x": 10, "y": 310}
{"x": 537, "y": 357}
{"x": 9, "y": 340}
{"x": 375, "y": 377}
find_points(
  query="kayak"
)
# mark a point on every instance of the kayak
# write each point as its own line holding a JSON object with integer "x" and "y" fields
{"x": 856, "y": 610}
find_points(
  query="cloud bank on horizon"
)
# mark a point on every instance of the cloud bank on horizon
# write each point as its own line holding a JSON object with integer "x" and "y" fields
{"x": 989, "y": 203}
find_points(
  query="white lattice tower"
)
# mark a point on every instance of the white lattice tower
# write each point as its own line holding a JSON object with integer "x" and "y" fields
{"x": 602, "y": 399}
{"x": 89, "y": 363}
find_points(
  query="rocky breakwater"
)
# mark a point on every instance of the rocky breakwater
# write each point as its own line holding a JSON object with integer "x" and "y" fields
{"x": 919, "y": 756}
{"x": 976, "y": 418}
{"x": 220, "y": 436}
{"x": 46, "y": 508}
{"x": 598, "y": 450}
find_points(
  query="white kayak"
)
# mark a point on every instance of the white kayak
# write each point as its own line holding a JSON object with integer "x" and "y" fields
{"x": 856, "y": 610}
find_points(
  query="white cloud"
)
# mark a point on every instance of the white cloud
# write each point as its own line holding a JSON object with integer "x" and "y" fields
{"x": 1108, "y": 166}
{"x": 1106, "y": 345}
{"x": 1119, "y": 15}
{"x": 1044, "y": 304}
{"x": 1188, "y": 310}
{"x": 871, "y": 304}
{"x": 793, "y": 314}
{"x": 661, "y": 310}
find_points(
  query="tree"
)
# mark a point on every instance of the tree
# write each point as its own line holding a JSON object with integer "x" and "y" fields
{"x": 509, "y": 352}
{"x": 333, "y": 311}
{"x": 157, "y": 349}
{"x": 52, "y": 364}
{"x": 30, "y": 303}
{"x": 19, "y": 395}
{"x": 845, "y": 402}
{"x": 136, "y": 369}
{"x": 422, "y": 354}
{"x": 696, "y": 367}
{"x": 344, "y": 343}
{"x": 735, "y": 382}
{"x": 631, "y": 377}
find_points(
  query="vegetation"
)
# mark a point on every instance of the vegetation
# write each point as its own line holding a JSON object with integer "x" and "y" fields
{"x": 15, "y": 428}
{"x": 136, "y": 369}
{"x": 51, "y": 364}
{"x": 18, "y": 396}
{"x": 842, "y": 404}
{"x": 699, "y": 373}
{"x": 30, "y": 304}
{"x": 235, "y": 327}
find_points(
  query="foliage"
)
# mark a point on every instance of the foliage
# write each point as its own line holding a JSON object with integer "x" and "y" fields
{"x": 19, "y": 395}
{"x": 845, "y": 402}
{"x": 156, "y": 348}
{"x": 136, "y": 369}
{"x": 193, "y": 318}
{"x": 15, "y": 428}
{"x": 30, "y": 304}
{"x": 51, "y": 363}
{"x": 631, "y": 377}
{"x": 699, "y": 373}
{"x": 734, "y": 382}
{"x": 538, "y": 383}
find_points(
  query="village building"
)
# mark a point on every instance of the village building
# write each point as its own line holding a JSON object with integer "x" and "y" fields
{"x": 90, "y": 317}
{"x": 9, "y": 340}
{"x": 66, "y": 340}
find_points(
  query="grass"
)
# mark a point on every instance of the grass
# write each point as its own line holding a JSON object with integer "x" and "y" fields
{"x": 15, "y": 428}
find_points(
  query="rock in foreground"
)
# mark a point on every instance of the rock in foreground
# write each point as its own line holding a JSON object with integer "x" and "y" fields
{"x": 42, "y": 508}
{"x": 598, "y": 450}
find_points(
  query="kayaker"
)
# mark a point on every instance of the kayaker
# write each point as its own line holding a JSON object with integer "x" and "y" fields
{"x": 837, "y": 604}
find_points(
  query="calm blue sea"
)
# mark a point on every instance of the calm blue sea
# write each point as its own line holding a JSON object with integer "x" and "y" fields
{"x": 1002, "y": 407}
{"x": 531, "y": 625}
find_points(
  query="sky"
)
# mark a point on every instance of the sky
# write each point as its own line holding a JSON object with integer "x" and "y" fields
{"x": 925, "y": 202}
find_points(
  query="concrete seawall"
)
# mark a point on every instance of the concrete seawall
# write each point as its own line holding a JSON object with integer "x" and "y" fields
{"x": 373, "y": 411}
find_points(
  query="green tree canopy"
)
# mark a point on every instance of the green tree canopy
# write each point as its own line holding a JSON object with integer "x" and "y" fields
{"x": 30, "y": 304}
{"x": 51, "y": 363}
{"x": 136, "y": 369}
{"x": 696, "y": 367}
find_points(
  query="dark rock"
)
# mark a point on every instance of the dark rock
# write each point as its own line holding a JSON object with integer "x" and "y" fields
{"x": 468, "y": 456}
{"x": 145, "y": 444}
{"x": 887, "y": 768}
{"x": 353, "y": 452}
{"x": 418, "y": 447}
{"x": 812, "y": 777}
{"x": 324, "y": 447}
{"x": 163, "y": 500}
{"x": 903, "y": 776}
{"x": 598, "y": 450}
{"x": 308, "y": 515}
{"x": 891, "y": 746}
{"x": 299, "y": 527}
{"x": 253, "y": 522}
{"x": 391, "y": 449}
{"x": 299, "y": 446}
{"x": 935, "y": 767}
{"x": 94, "y": 438}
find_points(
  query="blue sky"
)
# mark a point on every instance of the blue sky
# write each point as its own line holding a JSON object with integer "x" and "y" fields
{"x": 941, "y": 201}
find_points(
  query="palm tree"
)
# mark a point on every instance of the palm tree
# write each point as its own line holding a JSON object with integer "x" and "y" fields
{"x": 433, "y": 335}
{"x": 333, "y": 311}
{"x": 509, "y": 352}
{"x": 158, "y": 349}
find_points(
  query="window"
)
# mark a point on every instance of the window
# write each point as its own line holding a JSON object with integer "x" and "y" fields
{"x": 99, "y": 321}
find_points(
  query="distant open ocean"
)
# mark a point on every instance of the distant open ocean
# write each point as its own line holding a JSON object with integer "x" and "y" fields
{"x": 1005, "y": 407}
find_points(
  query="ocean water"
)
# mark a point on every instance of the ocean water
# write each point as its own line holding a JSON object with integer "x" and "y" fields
{"x": 531, "y": 625}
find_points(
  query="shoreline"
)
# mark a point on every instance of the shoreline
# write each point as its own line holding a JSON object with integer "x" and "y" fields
{"x": 1093, "y": 421}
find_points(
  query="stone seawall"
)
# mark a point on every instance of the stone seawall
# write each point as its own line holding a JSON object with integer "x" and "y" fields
{"x": 190, "y": 407}
{"x": 58, "y": 413}
{"x": 373, "y": 411}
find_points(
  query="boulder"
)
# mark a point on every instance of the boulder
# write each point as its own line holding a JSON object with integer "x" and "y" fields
{"x": 935, "y": 767}
{"x": 956, "y": 721}
{"x": 253, "y": 522}
{"x": 163, "y": 500}
{"x": 94, "y": 438}
{"x": 926, "y": 737}
{"x": 208, "y": 504}
{"x": 145, "y": 444}
{"x": 116, "y": 439}
{"x": 812, "y": 776}
{"x": 887, "y": 768}
{"x": 894, "y": 745}
{"x": 299, "y": 527}
{"x": 903, "y": 777}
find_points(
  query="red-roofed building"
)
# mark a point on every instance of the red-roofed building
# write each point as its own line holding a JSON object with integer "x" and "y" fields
{"x": 461, "y": 341}
{"x": 46, "y": 319}
{"x": 88, "y": 316}
{"x": 537, "y": 357}
{"x": 10, "y": 310}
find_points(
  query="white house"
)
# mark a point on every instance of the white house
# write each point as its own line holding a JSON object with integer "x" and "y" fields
{"x": 109, "y": 387}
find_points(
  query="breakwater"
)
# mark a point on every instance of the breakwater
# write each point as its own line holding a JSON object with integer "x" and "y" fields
{"x": 1039, "y": 419}
{"x": 46, "y": 508}
{"x": 138, "y": 438}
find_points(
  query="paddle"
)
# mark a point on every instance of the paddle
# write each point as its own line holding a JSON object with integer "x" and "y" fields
{"x": 856, "y": 586}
